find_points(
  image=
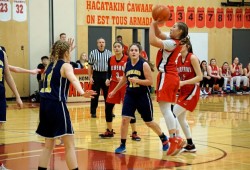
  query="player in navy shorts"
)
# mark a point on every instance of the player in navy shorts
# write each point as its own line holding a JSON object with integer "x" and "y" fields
{"x": 5, "y": 75}
{"x": 54, "y": 115}
{"x": 138, "y": 76}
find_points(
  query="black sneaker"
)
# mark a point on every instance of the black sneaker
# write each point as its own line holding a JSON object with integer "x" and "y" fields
{"x": 107, "y": 134}
{"x": 135, "y": 137}
{"x": 189, "y": 148}
{"x": 93, "y": 115}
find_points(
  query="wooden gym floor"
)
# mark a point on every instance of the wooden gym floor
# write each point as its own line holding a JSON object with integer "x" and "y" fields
{"x": 220, "y": 126}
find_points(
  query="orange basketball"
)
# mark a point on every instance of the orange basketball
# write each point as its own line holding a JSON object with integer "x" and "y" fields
{"x": 216, "y": 87}
{"x": 160, "y": 13}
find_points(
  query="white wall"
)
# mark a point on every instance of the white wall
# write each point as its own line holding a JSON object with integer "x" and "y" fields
{"x": 65, "y": 21}
{"x": 39, "y": 31}
{"x": 38, "y": 12}
{"x": 200, "y": 45}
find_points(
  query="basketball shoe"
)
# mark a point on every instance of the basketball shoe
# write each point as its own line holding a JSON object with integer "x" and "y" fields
{"x": 135, "y": 137}
{"x": 107, "y": 134}
{"x": 189, "y": 148}
{"x": 121, "y": 149}
{"x": 176, "y": 144}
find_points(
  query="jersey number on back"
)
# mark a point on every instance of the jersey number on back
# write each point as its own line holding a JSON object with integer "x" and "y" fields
{"x": 1, "y": 74}
{"x": 47, "y": 88}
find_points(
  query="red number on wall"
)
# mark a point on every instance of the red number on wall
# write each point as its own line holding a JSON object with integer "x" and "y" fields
{"x": 229, "y": 18}
{"x": 3, "y": 7}
{"x": 247, "y": 18}
{"x": 200, "y": 17}
{"x": 19, "y": 8}
{"x": 220, "y": 17}
{"x": 180, "y": 14}
{"x": 190, "y": 17}
{"x": 210, "y": 18}
{"x": 238, "y": 18}
{"x": 171, "y": 19}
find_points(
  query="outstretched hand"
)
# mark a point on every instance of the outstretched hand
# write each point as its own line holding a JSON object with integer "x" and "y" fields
{"x": 71, "y": 44}
{"x": 35, "y": 71}
{"x": 89, "y": 94}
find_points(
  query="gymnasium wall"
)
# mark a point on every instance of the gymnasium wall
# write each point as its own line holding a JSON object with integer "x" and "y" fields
{"x": 127, "y": 14}
{"x": 14, "y": 35}
{"x": 74, "y": 16}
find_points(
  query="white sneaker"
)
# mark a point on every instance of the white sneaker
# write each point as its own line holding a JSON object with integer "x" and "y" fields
{"x": 238, "y": 92}
{"x": 204, "y": 92}
{"x": 246, "y": 92}
{"x": 3, "y": 168}
{"x": 201, "y": 93}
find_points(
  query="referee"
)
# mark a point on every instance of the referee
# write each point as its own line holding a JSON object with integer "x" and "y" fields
{"x": 97, "y": 71}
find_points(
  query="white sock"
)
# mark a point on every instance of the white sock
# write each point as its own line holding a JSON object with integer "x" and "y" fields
{"x": 168, "y": 115}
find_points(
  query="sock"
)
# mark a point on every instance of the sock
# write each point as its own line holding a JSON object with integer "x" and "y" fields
{"x": 123, "y": 142}
{"x": 134, "y": 132}
{"x": 162, "y": 137}
{"x": 40, "y": 168}
{"x": 190, "y": 141}
{"x": 75, "y": 169}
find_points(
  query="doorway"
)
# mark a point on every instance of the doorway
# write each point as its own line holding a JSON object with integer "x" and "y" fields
{"x": 241, "y": 41}
{"x": 132, "y": 35}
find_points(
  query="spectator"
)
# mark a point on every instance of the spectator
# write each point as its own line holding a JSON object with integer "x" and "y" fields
{"x": 125, "y": 48}
{"x": 44, "y": 63}
{"x": 225, "y": 73}
{"x": 247, "y": 74}
{"x": 143, "y": 53}
{"x": 236, "y": 73}
{"x": 205, "y": 81}
{"x": 97, "y": 71}
{"x": 213, "y": 72}
{"x": 83, "y": 61}
{"x": 63, "y": 36}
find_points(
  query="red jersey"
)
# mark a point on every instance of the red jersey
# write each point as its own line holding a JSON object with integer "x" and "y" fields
{"x": 236, "y": 72}
{"x": 165, "y": 60}
{"x": 186, "y": 71}
{"x": 117, "y": 67}
{"x": 189, "y": 94}
{"x": 214, "y": 70}
{"x": 144, "y": 55}
{"x": 225, "y": 72}
{"x": 125, "y": 49}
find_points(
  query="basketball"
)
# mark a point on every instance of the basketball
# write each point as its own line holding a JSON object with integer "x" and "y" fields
{"x": 216, "y": 87}
{"x": 160, "y": 13}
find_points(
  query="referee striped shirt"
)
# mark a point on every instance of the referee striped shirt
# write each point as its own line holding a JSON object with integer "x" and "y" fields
{"x": 99, "y": 60}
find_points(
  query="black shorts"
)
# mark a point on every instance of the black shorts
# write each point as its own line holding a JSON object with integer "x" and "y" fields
{"x": 2, "y": 105}
{"x": 141, "y": 102}
{"x": 54, "y": 119}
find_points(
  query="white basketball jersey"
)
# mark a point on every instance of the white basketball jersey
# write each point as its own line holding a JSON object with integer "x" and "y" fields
{"x": 5, "y": 10}
{"x": 19, "y": 10}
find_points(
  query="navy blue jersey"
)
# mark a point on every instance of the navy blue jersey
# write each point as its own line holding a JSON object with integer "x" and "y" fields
{"x": 55, "y": 87}
{"x": 1, "y": 69}
{"x": 135, "y": 71}
{"x": 2, "y": 89}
